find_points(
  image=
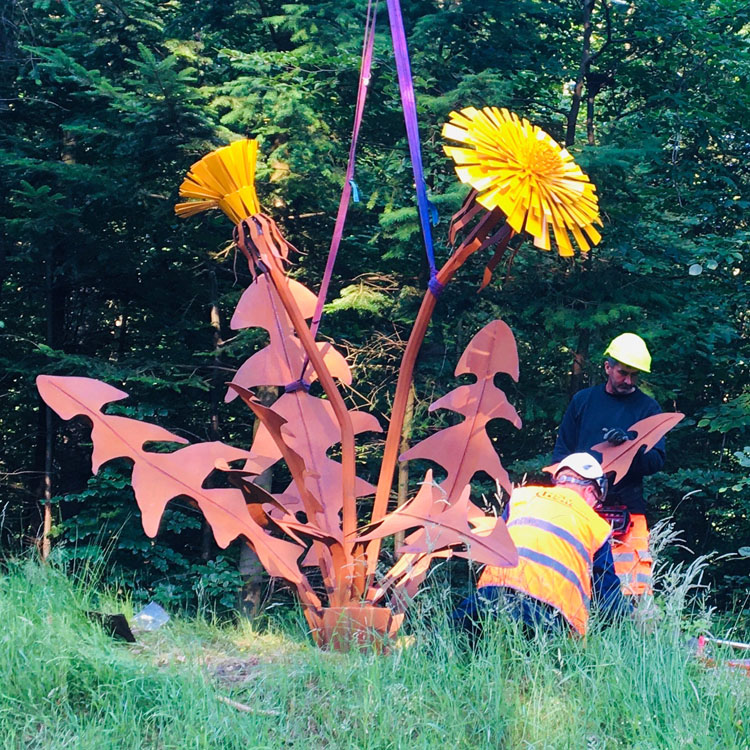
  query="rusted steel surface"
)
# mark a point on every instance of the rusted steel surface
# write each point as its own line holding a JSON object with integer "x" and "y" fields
{"x": 393, "y": 437}
{"x": 648, "y": 431}
{"x": 617, "y": 459}
{"x": 314, "y": 520}
{"x": 262, "y": 243}
{"x": 281, "y": 361}
{"x": 443, "y": 529}
{"x": 159, "y": 477}
{"x": 465, "y": 448}
{"x": 357, "y": 627}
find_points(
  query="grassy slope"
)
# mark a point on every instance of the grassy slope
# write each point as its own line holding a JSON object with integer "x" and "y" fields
{"x": 63, "y": 683}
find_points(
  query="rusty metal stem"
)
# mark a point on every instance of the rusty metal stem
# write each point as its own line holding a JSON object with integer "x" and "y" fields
{"x": 393, "y": 438}
{"x": 349, "y": 507}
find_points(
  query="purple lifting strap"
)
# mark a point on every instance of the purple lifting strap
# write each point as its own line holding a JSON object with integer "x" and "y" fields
{"x": 406, "y": 86}
{"x": 338, "y": 230}
{"x": 435, "y": 286}
{"x": 297, "y": 385}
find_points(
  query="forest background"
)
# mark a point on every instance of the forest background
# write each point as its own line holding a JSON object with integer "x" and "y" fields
{"x": 105, "y": 105}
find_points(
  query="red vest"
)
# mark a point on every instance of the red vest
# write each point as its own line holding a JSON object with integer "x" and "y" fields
{"x": 556, "y": 534}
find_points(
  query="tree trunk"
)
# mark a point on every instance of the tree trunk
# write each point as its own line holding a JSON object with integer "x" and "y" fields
{"x": 587, "y": 7}
{"x": 55, "y": 310}
{"x": 48, "y": 455}
{"x": 590, "y": 133}
{"x": 578, "y": 374}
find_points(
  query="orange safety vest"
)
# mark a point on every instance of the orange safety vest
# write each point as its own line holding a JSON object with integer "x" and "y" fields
{"x": 633, "y": 559}
{"x": 557, "y": 535}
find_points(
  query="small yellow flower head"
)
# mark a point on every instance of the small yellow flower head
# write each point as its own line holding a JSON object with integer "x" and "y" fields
{"x": 223, "y": 179}
{"x": 518, "y": 168}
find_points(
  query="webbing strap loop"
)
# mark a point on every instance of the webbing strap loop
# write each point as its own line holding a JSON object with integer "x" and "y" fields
{"x": 408, "y": 102}
{"x": 350, "y": 186}
{"x": 434, "y": 285}
{"x": 297, "y": 385}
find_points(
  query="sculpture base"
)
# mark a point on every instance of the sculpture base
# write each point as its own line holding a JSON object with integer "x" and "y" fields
{"x": 355, "y": 627}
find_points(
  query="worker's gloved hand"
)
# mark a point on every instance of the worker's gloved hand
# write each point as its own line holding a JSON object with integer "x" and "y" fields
{"x": 615, "y": 435}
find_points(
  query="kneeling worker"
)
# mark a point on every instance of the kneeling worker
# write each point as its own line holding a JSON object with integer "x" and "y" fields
{"x": 565, "y": 558}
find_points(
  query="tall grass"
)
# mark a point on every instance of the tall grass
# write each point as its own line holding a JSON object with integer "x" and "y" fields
{"x": 65, "y": 684}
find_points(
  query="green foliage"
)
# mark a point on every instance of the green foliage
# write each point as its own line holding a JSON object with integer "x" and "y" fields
{"x": 620, "y": 688}
{"x": 165, "y": 569}
{"x": 108, "y": 104}
{"x": 359, "y": 297}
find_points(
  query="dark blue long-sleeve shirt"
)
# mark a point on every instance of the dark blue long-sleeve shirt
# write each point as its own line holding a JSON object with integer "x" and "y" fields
{"x": 593, "y": 410}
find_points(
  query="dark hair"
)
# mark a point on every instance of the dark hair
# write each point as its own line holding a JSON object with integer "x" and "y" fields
{"x": 612, "y": 361}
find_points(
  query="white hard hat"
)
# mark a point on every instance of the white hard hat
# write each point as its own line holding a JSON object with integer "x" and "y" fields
{"x": 583, "y": 464}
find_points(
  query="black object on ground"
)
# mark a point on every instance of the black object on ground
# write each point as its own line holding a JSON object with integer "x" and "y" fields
{"x": 114, "y": 625}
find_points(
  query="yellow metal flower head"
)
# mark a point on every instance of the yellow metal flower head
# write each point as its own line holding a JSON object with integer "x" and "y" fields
{"x": 518, "y": 168}
{"x": 223, "y": 179}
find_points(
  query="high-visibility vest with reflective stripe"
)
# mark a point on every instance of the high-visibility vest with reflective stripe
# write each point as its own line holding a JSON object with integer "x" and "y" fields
{"x": 556, "y": 534}
{"x": 633, "y": 559}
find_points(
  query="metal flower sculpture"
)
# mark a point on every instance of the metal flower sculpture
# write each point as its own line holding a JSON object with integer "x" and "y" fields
{"x": 516, "y": 167}
{"x": 314, "y": 521}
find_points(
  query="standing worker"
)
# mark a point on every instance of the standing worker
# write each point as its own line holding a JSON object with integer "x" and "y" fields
{"x": 564, "y": 555}
{"x": 605, "y": 412}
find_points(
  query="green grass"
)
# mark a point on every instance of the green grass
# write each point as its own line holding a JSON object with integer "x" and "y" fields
{"x": 64, "y": 684}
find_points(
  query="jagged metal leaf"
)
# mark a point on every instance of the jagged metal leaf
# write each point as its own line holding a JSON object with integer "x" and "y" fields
{"x": 279, "y": 363}
{"x": 160, "y": 477}
{"x": 465, "y": 448}
{"x": 411, "y": 569}
{"x": 311, "y": 430}
{"x": 649, "y": 431}
{"x": 444, "y": 526}
{"x": 274, "y": 423}
{"x": 330, "y": 557}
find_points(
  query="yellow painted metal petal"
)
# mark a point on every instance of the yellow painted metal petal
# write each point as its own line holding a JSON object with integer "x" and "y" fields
{"x": 517, "y": 167}
{"x": 192, "y": 190}
{"x": 594, "y": 236}
{"x": 224, "y": 179}
{"x": 194, "y": 207}
{"x": 580, "y": 239}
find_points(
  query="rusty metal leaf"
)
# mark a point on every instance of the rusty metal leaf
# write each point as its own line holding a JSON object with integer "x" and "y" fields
{"x": 406, "y": 576}
{"x": 159, "y": 477}
{"x": 465, "y": 448}
{"x": 444, "y": 526}
{"x": 311, "y": 430}
{"x": 329, "y": 556}
{"x": 618, "y": 458}
{"x": 274, "y": 422}
{"x": 281, "y": 362}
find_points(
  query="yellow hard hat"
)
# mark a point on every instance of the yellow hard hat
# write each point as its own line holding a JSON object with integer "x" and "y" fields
{"x": 631, "y": 350}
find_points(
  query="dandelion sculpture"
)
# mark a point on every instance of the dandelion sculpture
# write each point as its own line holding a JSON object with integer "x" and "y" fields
{"x": 528, "y": 184}
{"x": 224, "y": 179}
{"x": 516, "y": 167}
